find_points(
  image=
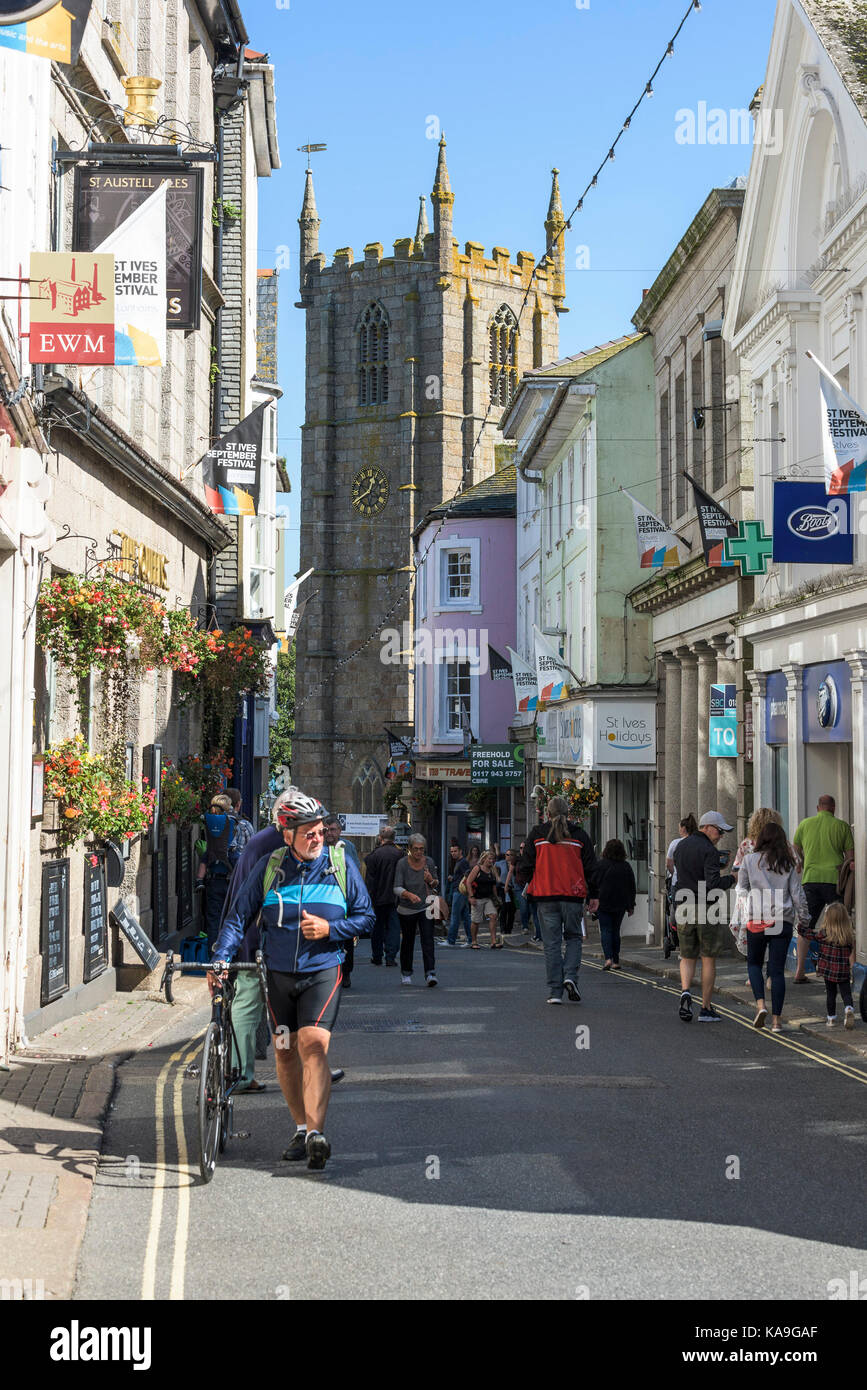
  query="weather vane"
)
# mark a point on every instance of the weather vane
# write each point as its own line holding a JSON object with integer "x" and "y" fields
{"x": 311, "y": 149}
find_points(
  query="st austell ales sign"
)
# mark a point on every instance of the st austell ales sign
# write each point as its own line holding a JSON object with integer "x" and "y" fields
{"x": 72, "y": 307}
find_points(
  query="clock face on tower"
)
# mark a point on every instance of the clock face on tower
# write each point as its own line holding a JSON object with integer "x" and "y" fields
{"x": 369, "y": 491}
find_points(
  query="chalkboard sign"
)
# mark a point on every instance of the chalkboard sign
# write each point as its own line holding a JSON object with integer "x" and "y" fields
{"x": 184, "y": 880}
{"x": 54, "y": 941}
{"x": 160, "y": 892}
{"x": 135, "y": 935}
{"x": 95, "y": 918}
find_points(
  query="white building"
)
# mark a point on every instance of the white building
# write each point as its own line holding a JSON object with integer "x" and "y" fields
{"x": 798, "y": 284}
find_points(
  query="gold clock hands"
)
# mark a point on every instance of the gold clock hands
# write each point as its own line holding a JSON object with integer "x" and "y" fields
{"x": 361, "y": 496}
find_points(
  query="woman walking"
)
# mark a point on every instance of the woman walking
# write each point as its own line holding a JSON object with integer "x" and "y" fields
{"x": 414, "y": 879}
{"x": 482, "y": 883}
{"x": 615, "y": 883}
{"x": 771, "y": 884}
{"x": 559, "y": 867}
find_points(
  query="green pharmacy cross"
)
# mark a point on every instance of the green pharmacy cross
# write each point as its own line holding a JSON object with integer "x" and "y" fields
{"x": 751, "y": 548}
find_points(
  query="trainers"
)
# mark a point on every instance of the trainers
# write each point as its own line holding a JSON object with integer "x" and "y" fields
{"x": 555, "y": 999}
{"x": 318, "y": 1151}
{"x": 297, "y": 1147}
{"x": 709, "y": 1015}
{"x": 446, "y": 942}
{"x": 406, "y": 979}
{"x": 685, "y": 1009}
{"x": 849, "y": 1017}
{"x": 572, "y": 990}
{"x": 431, "y": 979}
{"x": 761, "y": 1015}
{"x": 831, "y": 1020}
{"x": 391, "y": 963}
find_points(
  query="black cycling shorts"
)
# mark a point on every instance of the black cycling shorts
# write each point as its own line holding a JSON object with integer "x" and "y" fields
{"x": 304, "y": 1001}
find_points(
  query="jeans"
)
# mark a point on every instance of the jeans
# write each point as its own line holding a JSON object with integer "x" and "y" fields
{"x": 777, "y": 949}
{"x": 560, "y": 921}
{"x": 523, "y": 907}
{"x": 386, "y": 931}
{"x": 409, "y": 922}
{"x": 534, "y": 911}
{"x": 460, "y": 914}
{"x": 216, "y": 889}
{"x": 609, "y": 930}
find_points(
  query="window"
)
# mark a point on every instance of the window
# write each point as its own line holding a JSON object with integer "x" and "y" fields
{"x": 367, "y": 790}
{"x": 373, "y": 356}
{"x": 582, "y": 621}
{"x": 503, "y": 333}
{"x": 458, "y": 575}
{"x": 679, "y": 445}
{"x": 559, "y": 504}
{"x": 549, "y": 515}
{"x": 570, "y": 465}
{"x": 570, "y": 623}
{"x": 457, "y": 686}
{"x": 717, "y": 415}
{"x": 697, "y": 391}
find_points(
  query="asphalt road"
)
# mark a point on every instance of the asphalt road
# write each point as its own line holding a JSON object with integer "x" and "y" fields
{"x": 478, "y": 1152}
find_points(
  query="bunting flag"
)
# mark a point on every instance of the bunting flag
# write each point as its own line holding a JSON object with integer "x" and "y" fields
{"x": 498, "y": 666}
{"x": 658, "y": 546}
{"x": 139, "y": 249}
{"x": 290, "y": 603}
{"x": 524, "y": 681}
{"x": 297, "y": 614}
{"x": 552, "y": 673}
{"x": 231, "y": 467}
{"x": 844, "y": 436}
{"x": 715, "y": 525}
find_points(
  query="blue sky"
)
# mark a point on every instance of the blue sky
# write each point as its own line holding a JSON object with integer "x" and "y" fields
{"x": 517, "y": 88}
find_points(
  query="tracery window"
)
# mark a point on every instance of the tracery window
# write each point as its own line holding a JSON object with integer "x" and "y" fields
{"x": 373, "y": 356}
{"x": 503, "y": 333}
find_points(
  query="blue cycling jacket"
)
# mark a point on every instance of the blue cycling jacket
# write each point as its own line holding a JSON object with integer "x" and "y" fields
{"x": 310, "y": 885}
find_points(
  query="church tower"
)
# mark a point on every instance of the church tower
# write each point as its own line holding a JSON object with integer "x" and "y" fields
{"x": 405, "y": 355}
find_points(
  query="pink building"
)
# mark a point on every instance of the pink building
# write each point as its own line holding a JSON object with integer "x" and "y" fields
{"x": 465, "y": 605}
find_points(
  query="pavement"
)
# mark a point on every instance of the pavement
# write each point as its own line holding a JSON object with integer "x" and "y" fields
{"x": 53, "y": 1102}
{"x": 804, "y": 1009}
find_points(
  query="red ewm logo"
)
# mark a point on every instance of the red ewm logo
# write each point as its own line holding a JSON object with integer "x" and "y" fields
{"x": 48, "y": 344}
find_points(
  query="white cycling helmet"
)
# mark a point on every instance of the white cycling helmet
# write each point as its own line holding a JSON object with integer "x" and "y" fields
{"x": 294, "y": 807}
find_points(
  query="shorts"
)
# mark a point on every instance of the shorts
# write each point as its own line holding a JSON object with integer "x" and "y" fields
{"x": 705, "y": 939}
{"x": 304, "y": 1001}
{"x": 482, "y": 908}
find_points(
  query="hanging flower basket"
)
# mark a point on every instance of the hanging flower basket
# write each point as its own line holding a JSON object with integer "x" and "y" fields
{"x": 180, "y": 801}
{"x": 580, "y": 800}
{"x": 92, "y": 798}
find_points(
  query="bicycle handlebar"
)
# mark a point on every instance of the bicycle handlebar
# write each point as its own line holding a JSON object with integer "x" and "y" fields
{"x": 200, "y": 967}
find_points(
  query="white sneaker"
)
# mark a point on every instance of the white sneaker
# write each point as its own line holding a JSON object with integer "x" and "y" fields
{"x": 830, "y": 1020}
{"x": 555, "y": 999}
{"x": 431, "y": 979}
{"x": 406, "y": 979}
{"x": 849, "y": 1017}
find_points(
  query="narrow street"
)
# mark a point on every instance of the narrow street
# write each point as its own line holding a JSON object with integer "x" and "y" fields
{"x": 479, "y": 1153}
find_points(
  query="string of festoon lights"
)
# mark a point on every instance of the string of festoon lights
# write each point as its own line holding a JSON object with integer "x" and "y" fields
{"x": 406, "y": 589}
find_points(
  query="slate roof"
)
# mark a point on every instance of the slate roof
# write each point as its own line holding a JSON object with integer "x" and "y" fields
{"x": 584, "y": 362}
{"x": 493, "y": 496}
{"x": 842, "y": 28}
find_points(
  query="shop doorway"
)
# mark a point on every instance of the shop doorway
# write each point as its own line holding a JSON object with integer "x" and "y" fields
{"x": 829, "y": 773}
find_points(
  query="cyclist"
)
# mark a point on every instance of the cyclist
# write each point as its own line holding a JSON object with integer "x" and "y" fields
{"x": 307, "y": 901}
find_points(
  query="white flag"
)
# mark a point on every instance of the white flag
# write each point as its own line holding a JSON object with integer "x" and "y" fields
{"x": 290, "y": 600}
{"x": 524, "y": 681}
{"x": 844, "y": 436}
{"x": 552, "y": 673}
{"x": 139, "y": 249}
{"x": 658, "y": 546}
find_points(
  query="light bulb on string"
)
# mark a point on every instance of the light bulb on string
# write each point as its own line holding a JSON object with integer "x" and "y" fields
{"x": 648, "y": 91}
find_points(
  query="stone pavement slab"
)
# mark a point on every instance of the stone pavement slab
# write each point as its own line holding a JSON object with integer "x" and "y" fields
{"x": 53, "y": 1102}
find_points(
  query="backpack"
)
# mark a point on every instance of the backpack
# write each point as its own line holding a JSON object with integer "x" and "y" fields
{"x": 337, "y": 859}
{"x": 220, "y": 854}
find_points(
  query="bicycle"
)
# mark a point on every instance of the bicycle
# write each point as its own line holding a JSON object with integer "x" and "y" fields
{"x": 219, "y": 1072}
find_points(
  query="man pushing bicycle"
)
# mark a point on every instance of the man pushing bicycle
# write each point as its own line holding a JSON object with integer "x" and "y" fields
{"x": 307, "y": 902}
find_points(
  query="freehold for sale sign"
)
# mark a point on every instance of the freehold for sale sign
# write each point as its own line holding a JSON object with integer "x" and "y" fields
{"x": 71, "y": 307}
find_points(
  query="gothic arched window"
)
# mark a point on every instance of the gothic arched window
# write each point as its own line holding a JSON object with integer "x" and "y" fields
{"x": 367, "y": 790}
{"x": 373, "y": 356}
{"x": 504, "y": 355}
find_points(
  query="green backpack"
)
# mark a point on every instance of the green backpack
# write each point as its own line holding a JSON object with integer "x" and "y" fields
{"x": 337, "y": 858}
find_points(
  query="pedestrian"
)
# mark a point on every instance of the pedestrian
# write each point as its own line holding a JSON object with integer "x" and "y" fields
{"x": 458, "y": 902}
{"x": 482, "y": 883}
{"x": 769, "y": 885}
{"x": 415, "y": 880}
{"x": 244, "y": 831}
{"x": 381, "y": 864}
{"x": 762, "y": 816}
{"x": 307, "y": 900}
{"x": 510, "y": 904}
{"x": 334, "y": 836}
{"x": 823, "y": 843}
{"x": 687, "y": 826}
{"x": 836, "y": 937}
{"x": 697, "y": 861}
{"x": 615, "y": 886}
{"x": 217, "y": 861}
{"x": 559, "y": 867}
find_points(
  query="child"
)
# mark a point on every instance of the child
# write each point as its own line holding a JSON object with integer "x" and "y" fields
{"x": 836, "y": 938}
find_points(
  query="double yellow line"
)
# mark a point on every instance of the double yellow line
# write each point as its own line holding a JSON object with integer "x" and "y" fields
{"x": 184, "y": 1055}
{"x": 853, "y": 1073}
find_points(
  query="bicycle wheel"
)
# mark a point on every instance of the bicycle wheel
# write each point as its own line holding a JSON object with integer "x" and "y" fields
{"x": 210, "y": 1102}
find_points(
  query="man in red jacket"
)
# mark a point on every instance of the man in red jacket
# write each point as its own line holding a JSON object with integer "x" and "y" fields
{"x": 559, "y": 868}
